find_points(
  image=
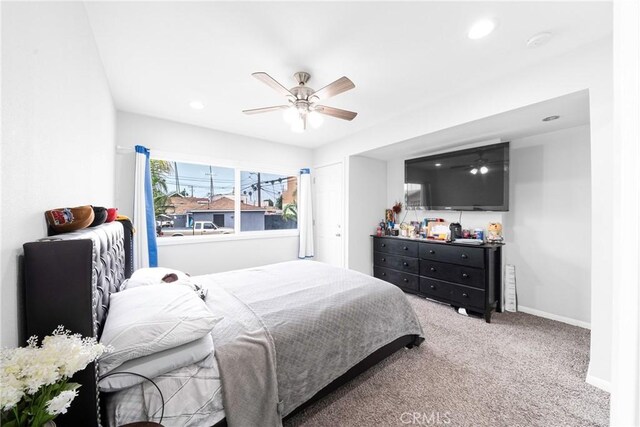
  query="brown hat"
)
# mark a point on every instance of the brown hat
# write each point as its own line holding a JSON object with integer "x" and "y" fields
{"x": 63, "y": 220}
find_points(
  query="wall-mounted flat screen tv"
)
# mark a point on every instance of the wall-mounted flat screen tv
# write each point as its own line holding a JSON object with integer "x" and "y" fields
{"x": 476, "y": 179}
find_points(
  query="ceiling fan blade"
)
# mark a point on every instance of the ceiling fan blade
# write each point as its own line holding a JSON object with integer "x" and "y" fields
{"x": 343, "y": 84}
{"x": 271, "y": 82}
{"x": 265, "y": 109}
{"x": 336, "y": 112}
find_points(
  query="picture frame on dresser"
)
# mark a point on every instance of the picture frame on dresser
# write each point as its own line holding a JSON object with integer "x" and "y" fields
{"x": 458, "y": 274}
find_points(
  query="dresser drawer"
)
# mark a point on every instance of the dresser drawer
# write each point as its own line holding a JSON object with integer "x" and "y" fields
{"x": 461, "y": 255}
{"x": 452, "y": 273}
{"x": 405, "y": 281}
{"x": 396, "y": 262}
{"x": 435, "y": 289}
{"x": 396, "y": 247}
{"x": 468, "y": 297}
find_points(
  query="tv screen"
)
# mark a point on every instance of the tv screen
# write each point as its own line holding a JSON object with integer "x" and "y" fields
{"x": 476, "y": 179}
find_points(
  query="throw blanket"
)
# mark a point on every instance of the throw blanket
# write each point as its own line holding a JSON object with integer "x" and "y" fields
{"x": 290, "y": 329}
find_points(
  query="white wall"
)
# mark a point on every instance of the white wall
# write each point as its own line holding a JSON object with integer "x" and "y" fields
{"x": 547, "y": 228}
{"x": 182, "y": 142}
{"x": 58, "y": 129}
{"x": 366, "y": 198}
{"x": 590, "y": 68}
{"x": 214, "y": 257}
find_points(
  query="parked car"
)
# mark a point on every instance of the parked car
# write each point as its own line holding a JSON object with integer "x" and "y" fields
{"x": 199, "y": 228}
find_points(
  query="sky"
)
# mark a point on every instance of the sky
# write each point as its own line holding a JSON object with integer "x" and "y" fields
{"x": 196, "y": 180}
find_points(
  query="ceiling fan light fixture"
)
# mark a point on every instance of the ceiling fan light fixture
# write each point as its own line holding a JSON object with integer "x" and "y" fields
{"x": 315, "y": 119}
{"x": 474, "y": 171}
{"x": 298, "y": 125}
{"x": 484, "y": 170}
{"x": 290, "y": 115}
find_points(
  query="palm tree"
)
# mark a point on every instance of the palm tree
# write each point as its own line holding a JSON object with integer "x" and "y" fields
{"x": 290, "y": 212}
{"x": 160, "y": 170}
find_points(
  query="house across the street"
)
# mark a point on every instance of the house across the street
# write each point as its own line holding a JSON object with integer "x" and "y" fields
{"x": 185, "y": 210}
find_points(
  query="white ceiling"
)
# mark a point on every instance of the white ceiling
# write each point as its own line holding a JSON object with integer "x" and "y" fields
{"x": 573, "y": 110}
{"x": 159, "y": 56}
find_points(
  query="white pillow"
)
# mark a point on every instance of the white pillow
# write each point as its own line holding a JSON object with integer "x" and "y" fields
{"x": 149, "y": 319}
{"x": 157, "y": 364}
{"x": 151, "y": 276}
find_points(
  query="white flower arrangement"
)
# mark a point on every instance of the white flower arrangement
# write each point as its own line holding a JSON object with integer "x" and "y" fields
{"x": 35, "y": 387}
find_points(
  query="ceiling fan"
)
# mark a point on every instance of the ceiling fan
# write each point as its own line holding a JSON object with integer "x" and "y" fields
{"x": 302, "y": 100}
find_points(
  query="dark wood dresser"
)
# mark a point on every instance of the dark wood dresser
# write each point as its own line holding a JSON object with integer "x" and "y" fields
{"x": 462, "y": 275}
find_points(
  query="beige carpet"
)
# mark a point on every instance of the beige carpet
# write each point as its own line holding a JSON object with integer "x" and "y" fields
{"x": 520, "y": 370}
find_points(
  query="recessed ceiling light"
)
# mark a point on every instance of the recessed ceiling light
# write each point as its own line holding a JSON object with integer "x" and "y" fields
{"x": 481, "y": 29}
{"x": 550, "y": 118}
{"x": 538, "y": 40}
{"x": 196, "y": 105}
{"x": 438, "y": 164}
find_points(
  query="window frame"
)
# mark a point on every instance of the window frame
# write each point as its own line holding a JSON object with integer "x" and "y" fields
{"x": 238, "y": 167}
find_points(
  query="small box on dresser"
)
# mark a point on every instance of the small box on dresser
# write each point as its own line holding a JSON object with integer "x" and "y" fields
{"x": 458, "y": 274}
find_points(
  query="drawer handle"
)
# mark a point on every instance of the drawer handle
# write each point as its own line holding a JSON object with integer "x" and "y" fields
{"x": 432, "y": 269}
{"x": 464, "y": 256}
{"x": 405, "y": 248}
{"x": 384, "y": 274}
{"x": 405, "y": 280}
{"x": 465, "y": 276}
{"x": 432, "y": 286}
{"x": 384, "y": 245}
{"x": 405, "y": 264}
{"x": 384, "y": 259}
{"x": 432, "y": 252}
{"x": 465, "y": 295}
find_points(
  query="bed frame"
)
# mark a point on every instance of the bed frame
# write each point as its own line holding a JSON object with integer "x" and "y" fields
{"x": 68, "y": 280}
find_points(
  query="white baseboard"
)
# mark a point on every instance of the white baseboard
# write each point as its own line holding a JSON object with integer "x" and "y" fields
{"x": 599, "y": 382}
{"x": 552, "y": 316}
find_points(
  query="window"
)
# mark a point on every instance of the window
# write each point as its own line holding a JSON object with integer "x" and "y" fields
{"x": 190, "y": 198}
{"x": 268, "y": 201}
{"x": 199, "y": 199}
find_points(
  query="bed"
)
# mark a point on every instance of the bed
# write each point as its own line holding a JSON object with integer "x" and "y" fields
{"x": 319, "y": 326}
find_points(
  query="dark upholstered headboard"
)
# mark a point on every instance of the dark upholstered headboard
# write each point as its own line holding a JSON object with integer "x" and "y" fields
{"x": 68, "y": 280}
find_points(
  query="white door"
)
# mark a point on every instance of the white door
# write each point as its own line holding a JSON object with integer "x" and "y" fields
{"x": 329, "y": 214}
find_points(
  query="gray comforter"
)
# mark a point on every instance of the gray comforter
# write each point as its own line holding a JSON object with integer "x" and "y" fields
{"x": 292, "y": 328}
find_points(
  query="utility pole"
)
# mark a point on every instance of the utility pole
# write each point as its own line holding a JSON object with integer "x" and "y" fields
{"x": 259, "y": 191}
{"x": 175, "y": 168}
{"x": 191, "y": 190}
{"x": 211, "y": 188}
